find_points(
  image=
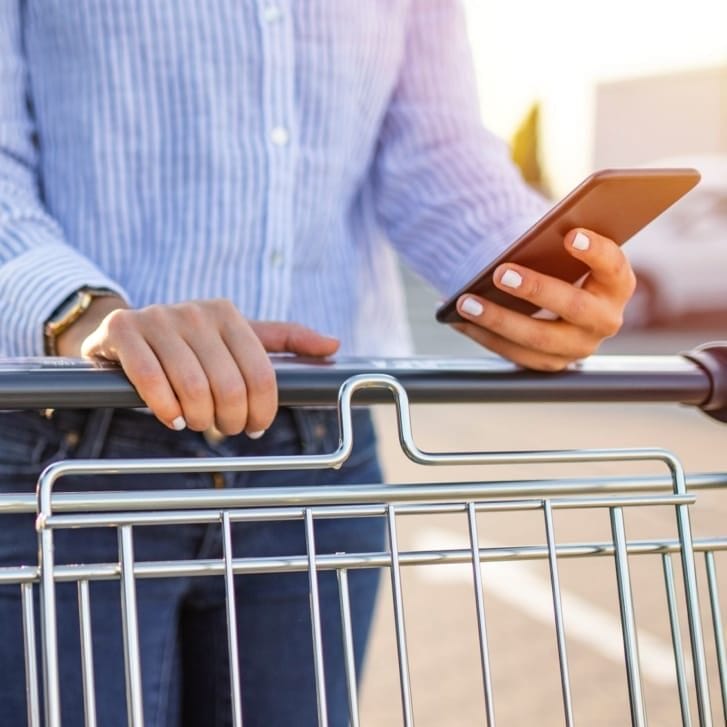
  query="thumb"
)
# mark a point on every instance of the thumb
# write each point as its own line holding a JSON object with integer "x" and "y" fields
{"x": 293, "y": 338}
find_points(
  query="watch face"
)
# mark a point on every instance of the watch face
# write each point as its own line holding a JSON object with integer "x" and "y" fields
{"x": 69, "y": 310}
{"x": 70, "y": 304}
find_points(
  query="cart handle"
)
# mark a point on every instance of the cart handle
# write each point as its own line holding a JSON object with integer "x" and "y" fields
{"x": 696, "y": 378}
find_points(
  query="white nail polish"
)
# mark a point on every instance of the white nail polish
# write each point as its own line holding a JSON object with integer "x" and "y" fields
{"x": 472, "y": 307}
{"x": 179, "y": 424}
{"x": 511, "y": 279}
{"x": 255, "y": 435}
{"x": 581, "y": 241}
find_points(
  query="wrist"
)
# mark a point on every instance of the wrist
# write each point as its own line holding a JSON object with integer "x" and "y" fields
{"x": 69, "y": 341}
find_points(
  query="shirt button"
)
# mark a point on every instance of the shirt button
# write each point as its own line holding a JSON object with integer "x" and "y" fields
{"x": 277, "y": 258}
{"x": 279, "y": 136}
{"x": 272, "y": 13}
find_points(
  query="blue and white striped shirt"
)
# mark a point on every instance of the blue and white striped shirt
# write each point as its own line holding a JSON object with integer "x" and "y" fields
{"x": 273, "y": 152}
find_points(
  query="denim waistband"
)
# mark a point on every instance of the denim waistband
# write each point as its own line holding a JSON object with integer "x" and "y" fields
{"x": 316, "y": 431}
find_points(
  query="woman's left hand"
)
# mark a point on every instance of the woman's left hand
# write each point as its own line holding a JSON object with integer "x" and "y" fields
{"x": 586, "y": 315}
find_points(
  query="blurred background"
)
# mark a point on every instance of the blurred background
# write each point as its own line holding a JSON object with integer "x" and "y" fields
{"x": 618, "y": 83}
{"x": 574, "y": 86}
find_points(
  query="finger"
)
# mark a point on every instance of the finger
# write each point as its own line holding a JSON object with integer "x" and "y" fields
{"x": 147, "y": 376}
{"x": 516, "y": 353}
{"x": 551, "y": 338}
{"x": 258, "y": 373}
{"x": 575, "y": 305}
{"x": 294, "y": 338}
{"x": 226, "y": 381}
{"x": 610, "y": 269}
{"x": 187, "y": 377}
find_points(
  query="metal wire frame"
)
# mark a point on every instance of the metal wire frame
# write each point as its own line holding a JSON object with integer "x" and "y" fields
{"x": 362, "y": 501}
{"x": 342, "y": 563}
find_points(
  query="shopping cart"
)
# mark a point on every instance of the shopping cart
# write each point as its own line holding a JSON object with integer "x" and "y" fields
{"x": 698, "y": 379}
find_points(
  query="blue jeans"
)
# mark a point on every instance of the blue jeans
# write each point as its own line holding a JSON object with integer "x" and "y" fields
{"x": 182, "y": 623}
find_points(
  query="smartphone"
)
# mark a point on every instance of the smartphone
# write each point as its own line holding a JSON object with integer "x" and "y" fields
{"x": 616, "y": 203}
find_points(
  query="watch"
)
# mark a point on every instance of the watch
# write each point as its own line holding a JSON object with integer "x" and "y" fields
{"x": 68, "y": 312}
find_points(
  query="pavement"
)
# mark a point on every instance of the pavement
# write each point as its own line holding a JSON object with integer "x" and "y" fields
{"x": 439, "y": 603}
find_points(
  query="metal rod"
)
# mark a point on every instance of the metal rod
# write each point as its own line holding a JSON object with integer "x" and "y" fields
{"x": 254, "y": 513}
{"x": 84, "y": 622}
{"x": 348, "y": 646}
{"x": 291, "y": 564}
{"x": 336, "y": 459}
{"x": 403, "y": 653}
{"x": 558, "y": 611}
{"x": 31, "y": 669}
{"x": 676, "y": 640}
{"x": 691, "y": 591}
{"x": 331, "y": 511}
{"x": 481, "y": 620}
{"x": 139, "y": 500}
{"x": 718, "y": 629}
{"x": 132, "y": 658}
{"x": 49, "y": 383}
{"x": 49, "y": 633}
{"x": 628, "y": 620}
{"x": 231, "y": 621}
{"x": 315, "y": 614}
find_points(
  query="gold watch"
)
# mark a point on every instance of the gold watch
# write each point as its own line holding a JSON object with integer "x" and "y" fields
{"x": 68, "y": 312}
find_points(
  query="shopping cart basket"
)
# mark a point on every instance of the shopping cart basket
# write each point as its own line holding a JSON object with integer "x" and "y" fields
{"x": 697, "y": 379}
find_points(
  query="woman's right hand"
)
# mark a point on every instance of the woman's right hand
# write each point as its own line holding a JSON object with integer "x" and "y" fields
{"x": 195, "y": 364}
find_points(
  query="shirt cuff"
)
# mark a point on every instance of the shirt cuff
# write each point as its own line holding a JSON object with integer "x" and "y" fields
{"x": 33, "y": 285}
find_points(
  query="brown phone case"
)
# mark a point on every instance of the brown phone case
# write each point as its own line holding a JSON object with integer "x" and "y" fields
{"x": 616, "y": 203}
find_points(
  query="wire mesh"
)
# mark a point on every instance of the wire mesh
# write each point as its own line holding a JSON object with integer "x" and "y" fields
{"x": 125, "y": 515}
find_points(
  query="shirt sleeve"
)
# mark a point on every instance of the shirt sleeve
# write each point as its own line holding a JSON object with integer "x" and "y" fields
{"x": 38, "y": 268}
{"x": 447, "y": 193}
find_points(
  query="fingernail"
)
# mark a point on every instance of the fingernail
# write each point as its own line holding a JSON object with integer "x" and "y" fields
{"x": 179, "y": 424}
{"x": 472, "y": 307}
{"x": 581, "y": 241}
{"x": 255, "y": 435}
{"x": 511, "y": 279}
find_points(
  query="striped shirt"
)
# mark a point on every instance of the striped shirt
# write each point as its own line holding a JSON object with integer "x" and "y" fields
{"x": 279, "y": 153}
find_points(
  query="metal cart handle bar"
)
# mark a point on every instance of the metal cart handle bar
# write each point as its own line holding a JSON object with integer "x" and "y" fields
{"x": 696, "y": 378}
